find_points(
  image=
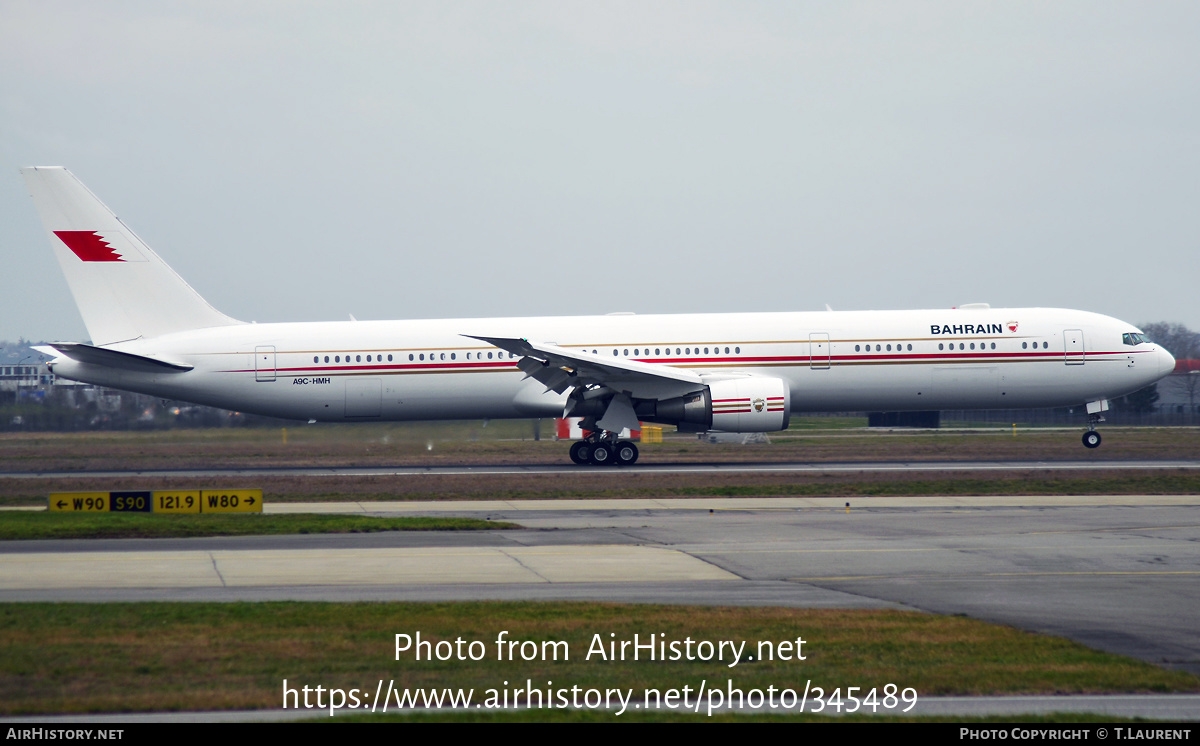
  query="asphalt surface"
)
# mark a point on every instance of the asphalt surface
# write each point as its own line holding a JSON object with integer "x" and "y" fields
{"x": 1168, "y": 707}
{"x": 679, "y": 468}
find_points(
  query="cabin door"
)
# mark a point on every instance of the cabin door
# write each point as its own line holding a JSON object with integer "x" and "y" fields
{"x": 818, "y": 350}
{"x": 1073, "y": 340}
{"x": 264, "y": 363}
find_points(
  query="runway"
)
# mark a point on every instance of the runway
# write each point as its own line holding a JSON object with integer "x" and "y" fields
{"x": 567, "y": 469}
{"x": 1118, "y": 573}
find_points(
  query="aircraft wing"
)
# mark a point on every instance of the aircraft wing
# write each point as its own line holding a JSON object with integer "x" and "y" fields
{"x": 560, "y": 368}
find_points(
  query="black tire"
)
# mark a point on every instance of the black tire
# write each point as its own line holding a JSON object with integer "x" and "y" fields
{"x": 626, "y": 453}
{"x": 581, "y": 452}
{"x": 1091, "y": 439}
{"x": 601, "y": 455}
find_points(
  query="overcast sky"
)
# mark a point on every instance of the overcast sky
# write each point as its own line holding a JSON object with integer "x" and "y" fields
{"x": 306, "y": 161}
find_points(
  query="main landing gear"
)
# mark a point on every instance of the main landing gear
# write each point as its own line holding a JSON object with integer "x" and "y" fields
{"x": 603, "y": 452}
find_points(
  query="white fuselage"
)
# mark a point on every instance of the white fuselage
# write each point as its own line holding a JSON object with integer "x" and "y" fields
{"x": 830, "y": 361}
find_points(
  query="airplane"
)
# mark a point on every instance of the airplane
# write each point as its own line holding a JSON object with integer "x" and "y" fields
{"x": 152, "y": 333}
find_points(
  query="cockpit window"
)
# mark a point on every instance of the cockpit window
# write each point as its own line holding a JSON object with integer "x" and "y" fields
{"x": 1134, "y": 338}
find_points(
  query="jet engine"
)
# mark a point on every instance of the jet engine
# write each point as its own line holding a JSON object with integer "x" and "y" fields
{"x": 738, "y": 405}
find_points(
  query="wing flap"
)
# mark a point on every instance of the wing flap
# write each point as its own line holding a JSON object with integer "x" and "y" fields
{"x": 560, "y": 368}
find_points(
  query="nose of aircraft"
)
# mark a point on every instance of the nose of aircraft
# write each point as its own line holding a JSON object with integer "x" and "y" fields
{"x": 1166, "y": 362}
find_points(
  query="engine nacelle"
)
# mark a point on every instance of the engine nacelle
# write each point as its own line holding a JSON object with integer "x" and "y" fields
{"x": 739, "y": 405}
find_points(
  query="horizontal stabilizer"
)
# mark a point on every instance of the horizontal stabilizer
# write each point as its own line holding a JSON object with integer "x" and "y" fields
{"x": 112, "y": 358}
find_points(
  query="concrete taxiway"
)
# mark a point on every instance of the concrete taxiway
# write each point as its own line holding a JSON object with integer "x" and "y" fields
{"x": 1168, "y": 707}
{"x": 1118, "y": 573}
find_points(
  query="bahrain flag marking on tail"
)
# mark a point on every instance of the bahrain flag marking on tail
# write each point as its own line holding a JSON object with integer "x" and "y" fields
{"x": 101, "y": 246}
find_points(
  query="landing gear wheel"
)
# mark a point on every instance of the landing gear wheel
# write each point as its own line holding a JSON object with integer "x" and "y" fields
{"x": 581, "y": 452}
{"x": 602, "y": 454}
{"x": 627, "y": 453}
{"x": 1091, "y": 439}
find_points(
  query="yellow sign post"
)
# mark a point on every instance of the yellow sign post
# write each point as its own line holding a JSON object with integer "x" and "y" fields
{"x": 231, "y": 501}
{"x": 158, "y": 501}
{"x": 177, "y": 501}
{"x": 78, "y": 502}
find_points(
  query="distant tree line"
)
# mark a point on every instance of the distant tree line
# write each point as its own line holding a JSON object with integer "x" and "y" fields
{"x": 1176, "y": 339}
{"x": 1183, "y": 344}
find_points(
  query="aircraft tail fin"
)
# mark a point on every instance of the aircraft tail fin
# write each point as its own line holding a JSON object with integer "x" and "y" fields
{"x": 122, "y": 288}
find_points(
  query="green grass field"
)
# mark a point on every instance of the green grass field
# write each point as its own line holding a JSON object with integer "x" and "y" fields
{"x": 44, "y": 525}
{"x": 125, "y": 657}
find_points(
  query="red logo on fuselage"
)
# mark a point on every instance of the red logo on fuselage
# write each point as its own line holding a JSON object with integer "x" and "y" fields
{"x": 1012, "y": 326}
{"x": 89, "y": 246}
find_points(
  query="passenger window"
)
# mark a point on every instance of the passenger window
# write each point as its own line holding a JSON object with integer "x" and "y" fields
{"x": 326, "y": 358}
{"x": 316, "y": 359}
{"x": 993, "y": 345}
{"x": 878, "y": 348}
{"x": 410, "y": 357}
{"x": 705, "y": 350}
{"x": 939, "y": 345}
{"x": 726, "y": 350}
{"x": 451, "y": 355}
{"x": 337, "y": 358}
{"x": 389, "y": 358}
{"x": 856, "y": 348}
{"x": 910, "y": 348}
{"x": 889, "y": 348}
{"x": 737, "y": 350}
{"x": 972, "y": 345}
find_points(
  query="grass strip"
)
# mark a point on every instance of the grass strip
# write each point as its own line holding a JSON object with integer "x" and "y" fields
{"x": 618, "y": 485}
{"x": 1139, "y": 483}
{"x": 45, "y": 525}
{"x": 196, "y": 656}
{"x": 387, "y": 445}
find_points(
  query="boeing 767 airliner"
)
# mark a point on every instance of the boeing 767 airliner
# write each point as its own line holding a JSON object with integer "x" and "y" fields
{"x": 153, "y": 334}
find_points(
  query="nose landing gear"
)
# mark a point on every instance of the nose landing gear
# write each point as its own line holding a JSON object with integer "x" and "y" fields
{"x": 1095, "y": 413}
